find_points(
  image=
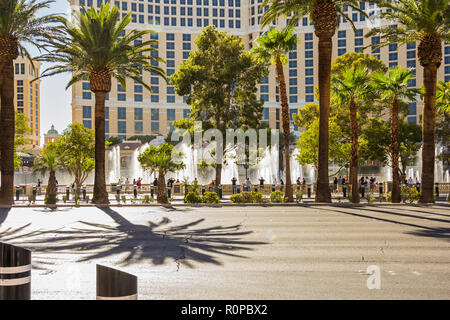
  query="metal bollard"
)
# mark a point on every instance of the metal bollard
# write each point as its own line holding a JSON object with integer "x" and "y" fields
{"x": 344, "y": 190}
{"x": 15, "y": 272}
{"x": 113, "y": 284}
{"x": 135, "y": 191}
{"x": 84, "y": 193}
{"x": 118, "y": 189}
{"x": 152, "y": 191}
{"x": 17, "y": 193}
{"x": 203, "y": 189}
{"x": 380, "y": 191}
{"x": 68, "y": 193}
{"x": 220, "y": 191}
{"x": 436, "y": 187}
{"x": 238, "y": 188}
{"x": 169, "y": 192}
{"x": 309, "y": 191}
{"x": 273, "y": 187}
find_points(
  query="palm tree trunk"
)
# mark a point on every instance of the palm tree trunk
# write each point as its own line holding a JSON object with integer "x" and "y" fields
{"x": 218, "y": 174}
{"x": 51, "y": 185}
{"x": 395, "y": 151}
{"x": 323, "y": 193}
{"x": 7, "y": 125}
{"x": 161, "y": 191}
{"x": 354, "y": 158}
{"x": 428, "y": 133}
{"x": 286, "y": 123}
{"x": 100, "y": 194}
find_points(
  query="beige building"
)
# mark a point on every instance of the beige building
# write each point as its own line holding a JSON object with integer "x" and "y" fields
{"x": 135, "y": 111}
{"x": 51, "y": 136}
{"x": 27, "y": 95}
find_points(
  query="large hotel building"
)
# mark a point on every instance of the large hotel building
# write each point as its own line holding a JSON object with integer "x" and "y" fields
{"x": 27, "y": 95}
{"x": 136, "y": 111}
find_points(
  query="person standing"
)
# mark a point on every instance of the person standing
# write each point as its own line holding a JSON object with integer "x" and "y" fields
{"x": 127, "y": 183}
{"x": 233, "y": 185}
{"x": 335, "y": 185}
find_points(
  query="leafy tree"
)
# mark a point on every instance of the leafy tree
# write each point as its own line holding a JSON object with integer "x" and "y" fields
{"x": 49, "y": 161}
{"x": 350, "y": 87}
{"x": 443, "y": 120}
{"x": 114, "y": 140}
{"x": 426, "y": 21}
{"x": 219, "y": 80}
{"x": 76, "y": 148}
{"x": 379, "y": 146}
{"x": 355, "y": 59}
{"x": 324, "y": 14}
{"x": 143, "y": 139}
{"x": 19, "y": 25}
{"x": 394, "y": 86}
{"x": 20, "y": 133}
{"x": 273, "y": 47}
{"x": 97, "y": 47}
{"x": 160, "y": 159}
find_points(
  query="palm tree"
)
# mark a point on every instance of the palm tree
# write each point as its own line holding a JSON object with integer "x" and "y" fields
{"x": 96, "y": 47}
{"x": 19, "y": 25}
{"x": 273, "y": 46}
{"x": 48, "y": 161}
{"x": 394, "y": 86}
{"x": 426, "y": 21}
{"x": 324, "y": 14}
{"x": 350, "y": 87}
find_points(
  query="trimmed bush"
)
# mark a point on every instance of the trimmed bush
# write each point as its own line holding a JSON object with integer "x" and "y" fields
{"x": 192, "y": 197}
{"x": 409, "y": 194}
{"x": 147, "y": 199}
{"x": 237, "y": 198}
{"x": 210, "y": 197}
{"x": 299, "y": 196}
{"x": 247, "y": 197}
{"x": 277, "y": 197}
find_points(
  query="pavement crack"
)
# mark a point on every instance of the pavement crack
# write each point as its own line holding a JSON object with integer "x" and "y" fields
{"x": 181, "y": 257}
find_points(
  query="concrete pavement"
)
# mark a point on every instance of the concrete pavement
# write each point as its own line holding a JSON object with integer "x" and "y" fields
{"x": 321, "y": 252}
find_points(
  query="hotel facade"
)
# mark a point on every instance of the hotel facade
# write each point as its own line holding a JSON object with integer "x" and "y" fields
{"x": 27, "y": 96}
{"x": 135, "y": 111}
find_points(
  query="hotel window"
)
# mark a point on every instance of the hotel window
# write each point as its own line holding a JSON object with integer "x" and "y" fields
{"x": 341, "y": 51}
{"x": 265, "y": 97}
{"x": 155, "y": 127}
{"x": 293, "y": 99}
{"x": 138, "y": 126}
{"x": 138, "y": 114}
{"x": 121, "y": 113}
{"x": 87, "y": 112}
{"x": 87, "y": 124}
{"x": 170, "y": 114}
{"x": 87, "y": 95}
{"x": 393, "y": 56}
{"x": 186, "y": 113}
{"x": 154, "y": 114}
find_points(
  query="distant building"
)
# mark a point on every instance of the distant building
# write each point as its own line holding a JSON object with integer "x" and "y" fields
{"x": 51, "y": 136}
{"x": 27, "y": 95}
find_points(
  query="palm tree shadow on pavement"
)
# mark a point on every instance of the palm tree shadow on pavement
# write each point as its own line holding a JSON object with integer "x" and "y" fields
{"x": 4, "y": 214}
{"x": 158, "y": 242}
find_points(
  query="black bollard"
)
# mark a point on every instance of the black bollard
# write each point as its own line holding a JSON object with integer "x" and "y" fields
{"x": 15, "y": 273}
{"x": 203, "y": 190}
{"x": 436, "y": 187}
{"x": 362, "y": 191}
{"x": 152, "y": 191}
{"x": 118, "y": 189}
{"x": 67, "y": 193}
{"x": 17, "y": 193}
{"x": 380, "y": 191}
{"x": 113, "y": 284}
{"x": 34, "y": 193}
{"x": 344, "y": 190}
{"x": 273, "y": 187}
{"x": 169, "y": 192}
{"x": 309, "y": 191}
{"x": 84, "y": 193}
{"x": 135, "y": 191}
{"x": 238, "y": 188}
{"x": 220, "y": 191}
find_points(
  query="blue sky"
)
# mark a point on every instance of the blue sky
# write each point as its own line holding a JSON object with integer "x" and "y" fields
{"x": 55, "y": 100}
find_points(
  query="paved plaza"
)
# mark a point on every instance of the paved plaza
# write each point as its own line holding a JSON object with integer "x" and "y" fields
{"x": 239, "y": 252}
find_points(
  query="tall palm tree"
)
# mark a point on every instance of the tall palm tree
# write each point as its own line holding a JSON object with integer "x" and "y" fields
{"x": 273, "y": 47}
{"x": 48, "y": 161}
{"x": 426, "y": 21}
{"x": 324, "y": 14}
{"x": 394, "y": 86}
{"x": 97, "y": 47}
{"x": 350, "y": 87}
{"x": 19, "y": 25}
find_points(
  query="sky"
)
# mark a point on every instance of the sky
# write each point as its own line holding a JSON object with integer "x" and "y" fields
{"x": 55, "y": 99}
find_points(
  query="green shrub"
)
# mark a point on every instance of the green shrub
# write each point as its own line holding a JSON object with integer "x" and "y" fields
{"x": 210, "y": 197}
{"x": 64, "y": 199}
{"x": 237, "y": 198}
{"x": 299, "y": 196}
{"x": 118, "y": 198}
{"x": 51, "y": 199}
{"x": 388, "y": 196}
{"x": 147, "y": 199}
{"x": 409, "y": 194}
{"x": 192, "y": 197}
{"x": 277, "y": 197}
{"x": 87, "y": 199}
{"x": 124, "y": 199}
{"x": 256, "y": 197}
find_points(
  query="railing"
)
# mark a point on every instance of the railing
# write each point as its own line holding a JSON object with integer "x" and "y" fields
{"x": 227, "y": 189}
